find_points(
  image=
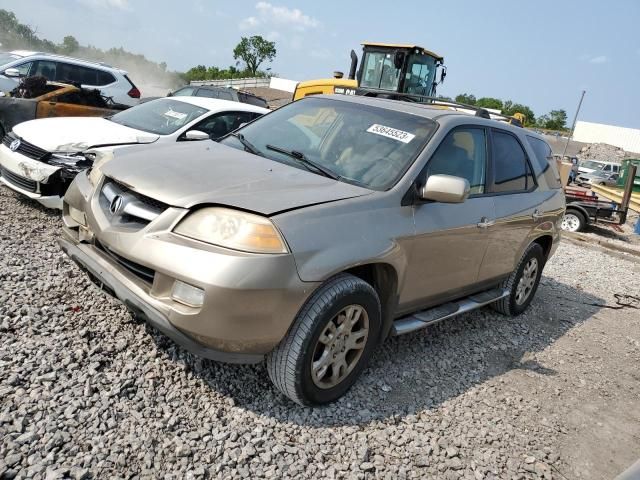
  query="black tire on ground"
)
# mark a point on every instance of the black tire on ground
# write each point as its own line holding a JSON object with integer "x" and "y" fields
{"x": 573, "y": 221}
{"x": 290, "y": 363}
{"x": 513, "y": 305}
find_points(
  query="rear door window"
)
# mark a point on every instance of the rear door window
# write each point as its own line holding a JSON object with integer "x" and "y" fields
{"x": 207, "y": 93}
{"x": 184, "y": 92}
{"x": 511, "y": 171}
{"x": 546, "y": 161}
{"x": 78, "y": 74}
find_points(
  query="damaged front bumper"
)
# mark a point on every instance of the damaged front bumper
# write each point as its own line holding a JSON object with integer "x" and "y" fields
{"x": 42, "y": 181}
{"x": 248, "y": 301}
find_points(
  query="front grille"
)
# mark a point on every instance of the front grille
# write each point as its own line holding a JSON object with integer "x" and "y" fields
{"x": 19, "y": 181}
{"x": 140, "y": 271}
{"x": 27, "y": 149}
{"x": 134, "y": 208}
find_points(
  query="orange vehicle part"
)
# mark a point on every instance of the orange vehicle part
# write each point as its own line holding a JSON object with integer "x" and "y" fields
{"x": 52, "y": 104}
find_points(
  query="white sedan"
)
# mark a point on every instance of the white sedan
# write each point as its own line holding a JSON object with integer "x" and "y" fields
{"x": 40, "y": 158}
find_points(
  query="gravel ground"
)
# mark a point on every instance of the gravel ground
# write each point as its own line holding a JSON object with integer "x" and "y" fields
{"x": 86, "y": 391}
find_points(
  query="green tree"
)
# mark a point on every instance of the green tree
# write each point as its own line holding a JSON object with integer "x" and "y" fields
{"x": 69, "y": 45}
{"x": 489, "y": 102}
{"x": 253, "y": 51}
{"x": 467, "y": 98}
{"x": 557, "y": 120}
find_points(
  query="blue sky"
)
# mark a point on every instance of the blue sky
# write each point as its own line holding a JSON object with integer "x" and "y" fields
{"x": 540, "y": 53}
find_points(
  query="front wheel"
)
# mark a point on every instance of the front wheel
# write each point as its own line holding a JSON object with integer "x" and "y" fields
{"x": 522, "y": 283}
{"x": 330, "y": 342}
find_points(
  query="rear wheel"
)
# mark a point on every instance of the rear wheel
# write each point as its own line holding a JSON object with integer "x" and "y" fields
{"x": 573, "y": 221}
{"x": 522, "y": 283}
{"x": 330, "y": 342}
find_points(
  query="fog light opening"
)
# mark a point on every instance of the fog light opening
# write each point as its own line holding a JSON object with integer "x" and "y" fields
{"x": 187, "y": 294}
{"x": 77, "y": 216}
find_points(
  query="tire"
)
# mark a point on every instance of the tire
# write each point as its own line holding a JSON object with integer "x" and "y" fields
{"x": 573, "y": 221}
{"x": 290, "y": 363}
{"x": 514, "y": 304}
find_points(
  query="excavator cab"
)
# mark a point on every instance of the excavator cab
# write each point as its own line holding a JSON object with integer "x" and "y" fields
{"x": 398, "y": 69}
{"x": 385, "y": 69}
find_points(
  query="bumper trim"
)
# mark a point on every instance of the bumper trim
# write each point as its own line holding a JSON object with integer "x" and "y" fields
{"x": 150, "y": 314}
{"x": 53, "y": 201}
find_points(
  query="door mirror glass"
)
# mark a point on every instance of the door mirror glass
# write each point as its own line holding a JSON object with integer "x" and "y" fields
{"x": 12, "y": 72}
{"x": 445, "y": 189}
{"x": 196, "y": 135}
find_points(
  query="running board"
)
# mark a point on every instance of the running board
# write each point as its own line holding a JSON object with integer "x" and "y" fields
{"x": 419, "y": 320}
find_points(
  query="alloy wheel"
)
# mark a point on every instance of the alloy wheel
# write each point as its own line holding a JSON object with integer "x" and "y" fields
{"x": 340, "y": 346}
{"x": 527, "y": 281}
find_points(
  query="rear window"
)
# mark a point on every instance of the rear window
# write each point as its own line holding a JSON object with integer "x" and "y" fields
{"x": 546, "y": 162}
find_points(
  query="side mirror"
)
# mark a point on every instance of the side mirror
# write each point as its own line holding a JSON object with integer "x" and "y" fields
{"x": 445, "y": 189}
{"x": 12, "y": 72}
{"x": 170, "y": 93}
{"x": 196, "y": 135}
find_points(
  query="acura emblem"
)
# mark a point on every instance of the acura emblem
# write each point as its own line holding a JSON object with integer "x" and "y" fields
{"x": 15, "y": 145}
{"x": 116, "y": 204}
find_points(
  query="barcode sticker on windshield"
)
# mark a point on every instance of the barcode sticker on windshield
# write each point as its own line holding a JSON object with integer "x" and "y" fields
{"x": 404, "y": 137}
{"x": 178, "y": 115}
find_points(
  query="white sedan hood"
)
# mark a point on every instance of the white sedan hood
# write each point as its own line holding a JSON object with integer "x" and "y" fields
{"x": 72, "y": 134}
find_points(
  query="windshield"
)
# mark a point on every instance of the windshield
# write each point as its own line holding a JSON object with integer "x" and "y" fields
{"x": 8, "y": 58}
{"x": 593, "y": 165}
{"x": 365, "y": 145}
{"x": 162, "y": 116}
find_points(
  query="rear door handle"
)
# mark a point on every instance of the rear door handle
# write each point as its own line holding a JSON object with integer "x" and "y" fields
{"x": 485, "y": 223}
{"x": 537, "y": 215}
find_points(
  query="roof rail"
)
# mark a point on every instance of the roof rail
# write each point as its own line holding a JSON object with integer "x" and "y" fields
{"x": 416, "y": 98}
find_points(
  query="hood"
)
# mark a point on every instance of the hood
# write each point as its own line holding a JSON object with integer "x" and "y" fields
{"x": 74, "y": 134}
{"x": 193, "y": 173}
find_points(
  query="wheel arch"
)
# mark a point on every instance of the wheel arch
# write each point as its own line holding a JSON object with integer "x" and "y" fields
{"x": 546, "y": 242}
{"x": 383, "y": 277}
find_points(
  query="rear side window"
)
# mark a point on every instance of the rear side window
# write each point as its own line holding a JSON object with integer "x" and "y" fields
{"x": 81, "y": 75}
{"x": 546, "y": 161}
{"x": 105, "y": 78}
{"x": 511, "y": 169}
{"x": 251, "y": 100}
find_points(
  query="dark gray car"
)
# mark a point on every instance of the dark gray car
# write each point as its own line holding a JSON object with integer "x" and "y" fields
{"x": 318, "y": 230}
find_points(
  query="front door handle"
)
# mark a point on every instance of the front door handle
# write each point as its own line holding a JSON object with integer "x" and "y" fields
{"x": 537, "y": 215}
{"x": 485, "y": 223}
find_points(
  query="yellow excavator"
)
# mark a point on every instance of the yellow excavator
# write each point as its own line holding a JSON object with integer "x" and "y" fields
{"x": 386, "y": 68}
{"x": 396, "y": 71}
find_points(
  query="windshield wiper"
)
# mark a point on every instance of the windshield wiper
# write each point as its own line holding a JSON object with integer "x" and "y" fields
{"x": 247, "y": 144}
{"x": 300, "y": 157}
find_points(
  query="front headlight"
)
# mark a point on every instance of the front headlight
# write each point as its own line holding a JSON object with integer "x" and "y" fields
{"x": 232, "y": 229}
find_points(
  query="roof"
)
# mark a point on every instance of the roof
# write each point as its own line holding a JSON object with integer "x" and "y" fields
{"x": 215, "y": 104}
{"x": 23, "y": 53}
{"x": 29, "y": 53}
{"x": 408, "y": 46}
{"x": 430, "y": 111}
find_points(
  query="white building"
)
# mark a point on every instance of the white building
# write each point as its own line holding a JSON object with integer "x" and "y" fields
{"x": 626, "y": 138}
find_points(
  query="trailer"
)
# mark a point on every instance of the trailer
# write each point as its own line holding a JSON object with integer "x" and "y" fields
{"x": 584, "y": 207}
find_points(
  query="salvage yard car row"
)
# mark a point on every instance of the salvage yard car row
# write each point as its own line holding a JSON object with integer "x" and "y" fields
{"x": 304, "y": 237}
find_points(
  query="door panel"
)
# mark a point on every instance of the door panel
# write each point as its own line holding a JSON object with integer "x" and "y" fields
{"x": 514, "y": 222}
{"x": 447, "y": 250}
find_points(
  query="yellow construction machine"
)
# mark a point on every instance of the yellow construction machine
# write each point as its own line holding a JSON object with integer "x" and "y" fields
{"x": 385, "y": 69}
